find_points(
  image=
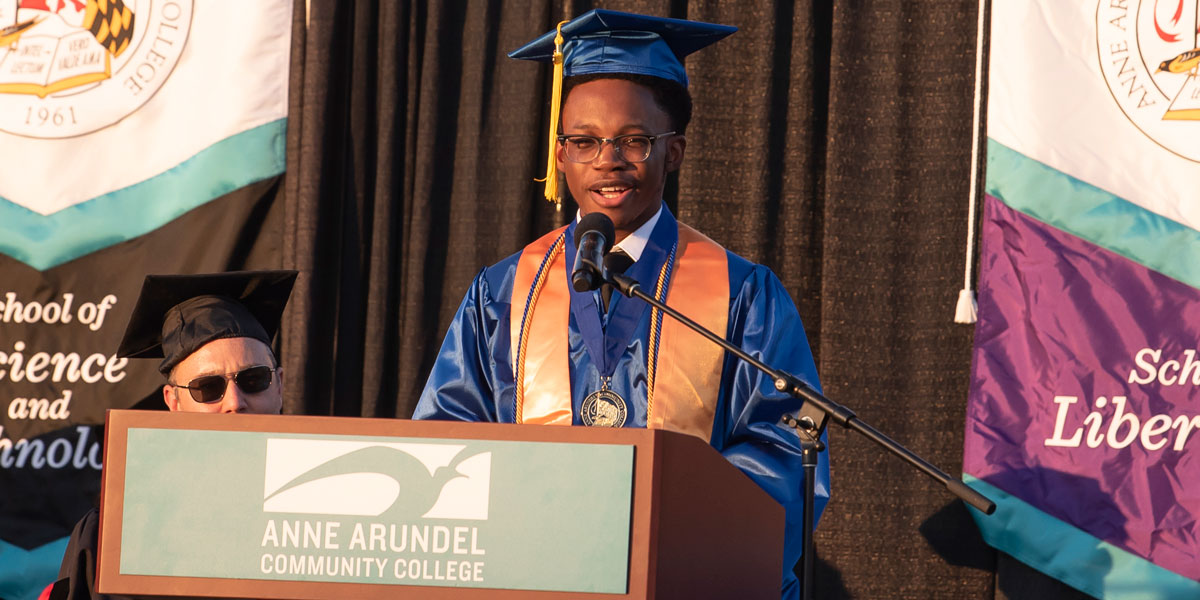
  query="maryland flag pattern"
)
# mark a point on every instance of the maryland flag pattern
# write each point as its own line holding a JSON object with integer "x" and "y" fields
{"x": 111, "y": 22}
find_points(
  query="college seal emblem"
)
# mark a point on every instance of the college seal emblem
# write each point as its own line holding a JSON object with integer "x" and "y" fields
{"x": 1149, "y": 53}
{"x": 603, "y": 408}
{"x": 71, "y": 67}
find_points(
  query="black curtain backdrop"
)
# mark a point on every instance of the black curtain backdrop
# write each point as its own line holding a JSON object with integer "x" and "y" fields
{"x": 831, "y": 142}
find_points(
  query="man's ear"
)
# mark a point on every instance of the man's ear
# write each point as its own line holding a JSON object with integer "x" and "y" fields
{"x": 560, "y": 157}
{"x": 169, "y": 397}
{"x": 676, "y": 145}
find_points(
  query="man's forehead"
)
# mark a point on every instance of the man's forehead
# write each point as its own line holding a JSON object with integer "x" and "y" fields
{"x": 615, "y": 104}
{"x": 225, "y": 354}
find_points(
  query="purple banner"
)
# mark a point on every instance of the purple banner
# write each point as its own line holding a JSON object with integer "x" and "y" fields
{"x": 1084, "y": 373}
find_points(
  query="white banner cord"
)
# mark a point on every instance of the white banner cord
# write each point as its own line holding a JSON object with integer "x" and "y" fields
{"x": 967, "y": 310}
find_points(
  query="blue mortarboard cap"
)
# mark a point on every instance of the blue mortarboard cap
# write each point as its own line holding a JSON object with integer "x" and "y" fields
{"x": 606, "y": 41}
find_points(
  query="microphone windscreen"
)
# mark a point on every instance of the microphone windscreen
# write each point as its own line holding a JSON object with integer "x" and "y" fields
{"x": 596, "y": 221}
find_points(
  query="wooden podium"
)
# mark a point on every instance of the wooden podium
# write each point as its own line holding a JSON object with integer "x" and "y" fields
{"x": 675, "y": 518}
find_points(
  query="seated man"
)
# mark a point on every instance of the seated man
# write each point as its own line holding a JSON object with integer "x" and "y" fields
{"x": 213, "y": 333}
{"x": 526, "y": 348}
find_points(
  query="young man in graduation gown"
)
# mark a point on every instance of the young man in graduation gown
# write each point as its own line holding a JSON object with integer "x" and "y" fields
{"x": 525, "y": 347}
{"x": 213, "y": 333}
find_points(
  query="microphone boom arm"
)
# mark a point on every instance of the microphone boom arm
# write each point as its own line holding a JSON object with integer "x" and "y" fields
{"x": 817, "y": 409}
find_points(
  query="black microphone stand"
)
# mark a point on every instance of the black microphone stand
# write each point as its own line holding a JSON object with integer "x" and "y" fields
{"x": 815, "y": 413}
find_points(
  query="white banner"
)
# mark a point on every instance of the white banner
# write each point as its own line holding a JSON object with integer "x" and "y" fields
{"x": 1103, "y": 91}
{"x": 85, "y": 114}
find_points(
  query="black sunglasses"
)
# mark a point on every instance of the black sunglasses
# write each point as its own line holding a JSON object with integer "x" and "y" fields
{"x": 211, "y": 388}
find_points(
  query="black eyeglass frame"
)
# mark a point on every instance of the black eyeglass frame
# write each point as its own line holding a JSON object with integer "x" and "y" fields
{"x": 615, "y": 141}
{"x": 196, "y": 386}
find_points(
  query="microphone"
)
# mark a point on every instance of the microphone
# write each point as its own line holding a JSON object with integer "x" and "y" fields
{"x": 593, "y": 239}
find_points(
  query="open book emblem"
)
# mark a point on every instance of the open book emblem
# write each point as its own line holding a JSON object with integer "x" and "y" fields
{"x": 49, "y": 51}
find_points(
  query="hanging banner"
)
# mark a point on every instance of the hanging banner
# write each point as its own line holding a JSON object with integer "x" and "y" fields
{"x": 136, "y": 136}
{"x": 1084, "y": 416}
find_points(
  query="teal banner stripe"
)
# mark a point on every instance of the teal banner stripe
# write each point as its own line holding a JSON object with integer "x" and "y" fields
{"x": 25, "y": 573}
{"x": 45, "y": 241}
{"x": 1092, "y": 214}
{"x": 1072, "y": 556}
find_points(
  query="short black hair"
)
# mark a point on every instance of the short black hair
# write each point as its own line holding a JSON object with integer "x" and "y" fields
{"x": 673, "y": 98}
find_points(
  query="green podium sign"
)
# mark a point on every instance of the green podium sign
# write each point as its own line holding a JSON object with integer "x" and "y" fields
{"x": 396, "y": 511}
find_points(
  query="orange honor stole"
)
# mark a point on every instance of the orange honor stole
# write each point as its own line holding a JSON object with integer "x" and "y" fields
{"x": 683, "y": 370}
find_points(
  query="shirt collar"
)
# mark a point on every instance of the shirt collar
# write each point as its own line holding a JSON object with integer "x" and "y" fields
{"x": 635, "y": 243}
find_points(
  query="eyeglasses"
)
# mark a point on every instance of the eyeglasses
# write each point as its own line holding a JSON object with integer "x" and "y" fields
{"x": 211, "y": 388}
{"x": 630, "y": 148}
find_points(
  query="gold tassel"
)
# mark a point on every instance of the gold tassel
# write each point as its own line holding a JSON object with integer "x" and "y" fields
{"x": 551, "y": 178}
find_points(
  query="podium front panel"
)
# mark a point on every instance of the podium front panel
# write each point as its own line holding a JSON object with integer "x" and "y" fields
{"x": 238, "y": 511}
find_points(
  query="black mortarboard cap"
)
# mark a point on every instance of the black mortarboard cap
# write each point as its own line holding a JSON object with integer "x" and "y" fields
{"x": 177, "y": 314}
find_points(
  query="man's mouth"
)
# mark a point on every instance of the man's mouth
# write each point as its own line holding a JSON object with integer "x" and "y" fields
{"x": 611, "y": 191}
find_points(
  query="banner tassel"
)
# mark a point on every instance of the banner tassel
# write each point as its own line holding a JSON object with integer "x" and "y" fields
{"x": 967, "y": 310}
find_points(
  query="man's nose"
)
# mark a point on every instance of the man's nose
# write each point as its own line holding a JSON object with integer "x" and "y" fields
{"x": 234, "y": 400}
{"x": 610, "y": 157}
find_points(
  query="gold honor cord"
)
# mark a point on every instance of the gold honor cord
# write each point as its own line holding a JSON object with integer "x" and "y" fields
{"x": 551, "y": 178}
{"x": 656, "y": 317}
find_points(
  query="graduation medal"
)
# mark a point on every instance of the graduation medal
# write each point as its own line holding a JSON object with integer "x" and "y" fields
{"x": 603, "y": 408}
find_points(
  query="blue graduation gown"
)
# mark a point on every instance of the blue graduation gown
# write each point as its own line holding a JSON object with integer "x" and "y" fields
{"x": 472, "y": 379}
